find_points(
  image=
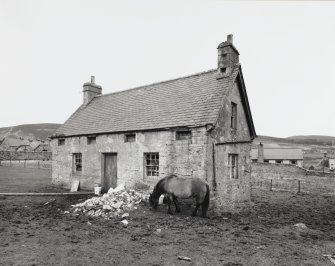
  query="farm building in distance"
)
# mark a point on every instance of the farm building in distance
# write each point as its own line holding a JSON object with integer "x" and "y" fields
{"x": 42, "y": 147}
{"x": 199, "y": 125}
{"x": 277, "y": 155}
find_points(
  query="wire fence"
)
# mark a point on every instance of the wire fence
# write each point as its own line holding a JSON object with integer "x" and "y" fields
{"x": 312, "y": 184}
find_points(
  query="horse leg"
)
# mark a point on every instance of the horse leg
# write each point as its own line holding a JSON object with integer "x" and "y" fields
{"x": 175, "y": 201}
{"x": 169, "y": 211}
{"x": 194, "y": 213}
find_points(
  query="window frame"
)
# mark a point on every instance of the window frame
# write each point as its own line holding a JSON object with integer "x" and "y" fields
{"x": 151, "y": 169}
{"x": 233, "y": 169}
{"x": 77, "y": 160}
{"x": 91, "y": 140}
{"x": 233, "y": 116}
{"x": 61, "y": 142}
{"x": 130, "y": 136}
{"x": 180, "y": 135}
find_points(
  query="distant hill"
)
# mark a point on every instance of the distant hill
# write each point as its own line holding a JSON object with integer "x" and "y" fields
{"x": 313, "y": 139}
{"x": 29, "y": 131}
{"x": 297, "y": 140}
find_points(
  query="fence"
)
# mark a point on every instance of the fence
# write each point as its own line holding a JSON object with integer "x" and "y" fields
{"x": 291, "y": 178}
{"x": 40, "y": 164}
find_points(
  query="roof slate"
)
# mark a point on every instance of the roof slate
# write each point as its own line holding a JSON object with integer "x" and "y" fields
{"x": 279, "y": 154}
{"x": 188, "y": 101}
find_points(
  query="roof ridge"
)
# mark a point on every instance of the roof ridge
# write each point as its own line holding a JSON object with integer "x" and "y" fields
{"x": 160, "y": 82}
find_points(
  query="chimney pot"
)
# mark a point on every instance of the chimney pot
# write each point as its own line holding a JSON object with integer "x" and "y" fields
{"x": 260, "y": 157}
{"x": 230, "y": 38}
{"x": 92, "y": 79}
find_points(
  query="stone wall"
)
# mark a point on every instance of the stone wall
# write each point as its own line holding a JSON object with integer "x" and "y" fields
{"x": 16, "y": 155}
{"x": 28, "y": 164}
{"x": 286, "y": 177}
{"x": 182, "y": 157}
{"x": 230, "y": 194}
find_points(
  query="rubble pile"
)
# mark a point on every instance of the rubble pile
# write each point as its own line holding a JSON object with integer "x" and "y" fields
{"x": 116, "y": 203}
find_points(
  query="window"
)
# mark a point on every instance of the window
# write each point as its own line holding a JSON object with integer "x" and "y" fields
{"x": 233, "y": 119}
{"x": 233, "y": 165}
{"x": 266, "y": 161}
{"x": 61, "y": 142}
{"x": 293, "y": 162}
{"x": 223, "y": 70}
{"x": 91, "y": 140}
{"x": 130, "y": 138}
{"x": 77, "y": 162}
{"x": 181, "y": 135}
{"x": 151, "y": 164}
{"x": 279, "y": 161}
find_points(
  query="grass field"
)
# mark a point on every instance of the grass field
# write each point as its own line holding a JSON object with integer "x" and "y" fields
{"x": 19, "y": 179}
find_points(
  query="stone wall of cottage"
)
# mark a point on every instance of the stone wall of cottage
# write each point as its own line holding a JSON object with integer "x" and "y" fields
{"x": 230, "y": 194}
{"x": 181, "y": 157}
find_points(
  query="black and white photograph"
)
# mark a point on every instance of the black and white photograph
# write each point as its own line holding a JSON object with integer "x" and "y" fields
{"x": 167, "y": 132}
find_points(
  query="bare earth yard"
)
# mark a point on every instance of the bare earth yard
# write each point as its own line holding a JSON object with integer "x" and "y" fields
{"x": 32, "y": 233}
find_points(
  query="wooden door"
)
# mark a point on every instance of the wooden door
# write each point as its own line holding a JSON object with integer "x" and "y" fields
{"x": 109, "y": 176}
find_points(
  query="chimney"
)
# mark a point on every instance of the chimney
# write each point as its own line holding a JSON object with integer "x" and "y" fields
{"x": 260, "y": 158}
{"x": 227, "y": 57}
{"x": 91, "y": 90}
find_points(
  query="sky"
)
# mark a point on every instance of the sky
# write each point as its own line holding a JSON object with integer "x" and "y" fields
{"x": 48, "y": 49}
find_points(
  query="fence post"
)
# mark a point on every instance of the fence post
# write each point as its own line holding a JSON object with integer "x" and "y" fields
{"x": 271, "y": 185}
{"x": 38, "y": 164}
{"x": 298, "y": 186}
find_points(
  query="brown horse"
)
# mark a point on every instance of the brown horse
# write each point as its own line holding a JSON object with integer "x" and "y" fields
{"x": 176, "y": 187}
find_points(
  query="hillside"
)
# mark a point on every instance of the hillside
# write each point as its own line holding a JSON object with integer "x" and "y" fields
{"x": 313, "y": 139}
{"x": 29, "y": 131}
{"x": 297, "y": 140}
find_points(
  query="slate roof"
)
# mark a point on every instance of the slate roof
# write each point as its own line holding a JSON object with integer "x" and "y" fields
{"x": 188, "y": 101}
{"x": 279, "y": 154}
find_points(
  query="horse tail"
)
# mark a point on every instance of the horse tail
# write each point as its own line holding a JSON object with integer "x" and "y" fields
{"x": 205, "y": 203}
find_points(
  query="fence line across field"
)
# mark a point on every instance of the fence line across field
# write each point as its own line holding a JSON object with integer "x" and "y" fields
{"x": 39, "y": 164}
{"x": 315, "y": 185}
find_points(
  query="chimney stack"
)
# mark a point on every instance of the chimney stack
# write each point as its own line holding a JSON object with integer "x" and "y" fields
{"x": 260, "y": 158}
{"x": 230, "y": 38}
{"x": 227, "y": 57}
{"x": 91, "y": 90}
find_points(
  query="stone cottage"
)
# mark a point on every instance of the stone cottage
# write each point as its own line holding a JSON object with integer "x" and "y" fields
{"x": 199, "y": 125}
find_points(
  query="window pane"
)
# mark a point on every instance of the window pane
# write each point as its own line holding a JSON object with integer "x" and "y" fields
{"x": 152, "y": 164}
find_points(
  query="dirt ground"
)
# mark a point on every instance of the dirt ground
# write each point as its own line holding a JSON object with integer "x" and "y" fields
{"x": 35, "y": 233}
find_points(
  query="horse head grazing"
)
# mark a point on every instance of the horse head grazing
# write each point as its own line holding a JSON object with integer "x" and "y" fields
{"x": 153, "y": 201}
{"x": 156, "y": 193}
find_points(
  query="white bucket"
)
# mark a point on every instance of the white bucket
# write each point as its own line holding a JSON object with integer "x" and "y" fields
{"x": 97, "y": 190}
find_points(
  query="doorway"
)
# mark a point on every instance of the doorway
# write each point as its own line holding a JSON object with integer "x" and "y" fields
{"x": 109, "y": 171}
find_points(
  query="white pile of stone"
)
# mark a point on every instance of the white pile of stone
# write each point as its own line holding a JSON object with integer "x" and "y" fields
{"x": 116, "y": 203}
